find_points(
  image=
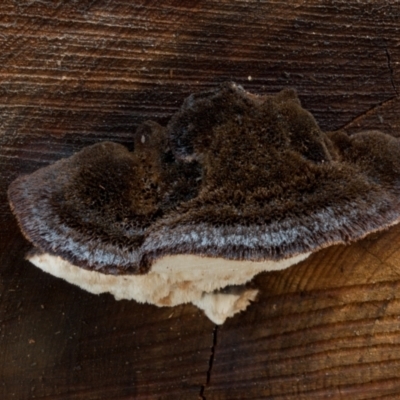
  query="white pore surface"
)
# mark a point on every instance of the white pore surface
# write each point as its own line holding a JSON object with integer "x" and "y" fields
{"x": 174, "y": 280}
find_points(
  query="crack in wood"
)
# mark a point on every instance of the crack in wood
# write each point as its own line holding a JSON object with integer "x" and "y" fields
{"x": 372, "y": 109}
{"x": 210, "y": 363}
{"x": 391, "y": 70}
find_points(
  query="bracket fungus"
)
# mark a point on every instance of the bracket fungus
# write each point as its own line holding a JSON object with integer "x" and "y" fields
{"x": 235, "y": 184}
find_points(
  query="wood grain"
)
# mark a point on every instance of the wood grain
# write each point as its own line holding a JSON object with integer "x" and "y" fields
{"x": 328, "y": 328}
{"x": 73, "y": 73}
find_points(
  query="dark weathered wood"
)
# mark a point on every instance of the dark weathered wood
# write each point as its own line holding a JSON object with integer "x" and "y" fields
{"x": 76, "y": 72}
{"x": 384, "y": 117}
{"x": 59, "y": 342}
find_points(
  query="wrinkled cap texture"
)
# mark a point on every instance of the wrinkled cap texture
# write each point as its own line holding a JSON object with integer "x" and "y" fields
{"x": 232, "y": 175}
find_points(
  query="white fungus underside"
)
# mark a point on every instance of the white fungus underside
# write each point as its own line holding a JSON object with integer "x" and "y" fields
{"x": 175, "y": 280}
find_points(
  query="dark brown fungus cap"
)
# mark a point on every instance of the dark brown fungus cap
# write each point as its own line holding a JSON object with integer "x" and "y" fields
{"x": 95, "y": 207}
{"x": 233, "y": 175}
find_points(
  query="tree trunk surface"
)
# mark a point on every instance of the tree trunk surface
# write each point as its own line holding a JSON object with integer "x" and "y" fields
{"x": 73, "y": 73}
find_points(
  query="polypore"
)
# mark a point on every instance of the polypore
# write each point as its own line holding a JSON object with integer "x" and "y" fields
{"x": 234, "y": 185}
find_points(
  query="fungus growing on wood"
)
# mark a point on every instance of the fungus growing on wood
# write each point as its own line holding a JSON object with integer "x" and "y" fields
{"x": 236, "y": 184}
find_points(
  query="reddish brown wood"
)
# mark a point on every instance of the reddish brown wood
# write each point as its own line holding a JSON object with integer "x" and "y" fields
{"x": 76, "y": 72}
{"x": 327, "y": 328}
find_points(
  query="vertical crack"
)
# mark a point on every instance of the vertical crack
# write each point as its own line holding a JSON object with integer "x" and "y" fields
{"x": 210, "y": 363}
{"x": 389, "y": 63}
